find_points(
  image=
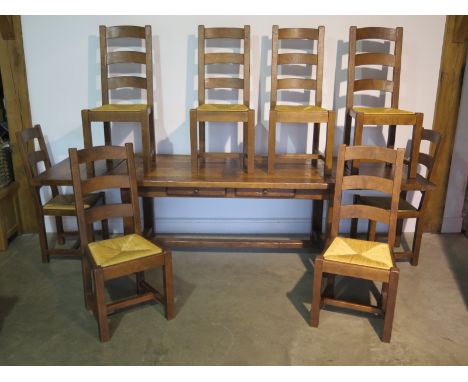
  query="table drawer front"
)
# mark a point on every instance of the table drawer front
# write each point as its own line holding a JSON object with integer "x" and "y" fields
{"x": 194, "y": 191}
{"x": 264, "y": 193}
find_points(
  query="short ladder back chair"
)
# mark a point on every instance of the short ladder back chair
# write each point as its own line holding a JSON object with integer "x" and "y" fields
{"x": 312, "y": 112}
{"x": 405, "y": 209}
{"x": 58, "y": 205}
{"x": 223, "y": 112}
{"x": 119, "y": 256}
{"x": 117, "y": 112}
{"x": 392, "y": 115}
{"x": 368, "y": 260}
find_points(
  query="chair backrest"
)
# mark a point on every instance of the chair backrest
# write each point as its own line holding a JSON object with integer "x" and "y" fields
{"x": 114, "y": 56}
{"x": 123, "y": 179}
{"x": 32, "y": 157}
{"x": 430, "y": 160}
{"x": 391, "y": 59}
{"x": 316, "y": 39}
{"x": 243, "y": 58}
{"x": 389, "y": 186}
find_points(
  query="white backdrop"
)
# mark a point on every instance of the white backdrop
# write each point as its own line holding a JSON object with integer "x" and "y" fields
{"x": 62, "y": 60}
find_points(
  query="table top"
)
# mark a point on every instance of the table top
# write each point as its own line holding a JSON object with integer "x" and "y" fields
{"x": 175, "y": 171}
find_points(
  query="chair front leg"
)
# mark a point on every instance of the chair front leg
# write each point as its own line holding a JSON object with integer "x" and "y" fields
{"x": 101, "y": 306}
{"x": 316, "y": 292}
{"x": 390, "y": 304}
{"x": 43, "y": 242}
{"x": 418, "y": 232}
{"x": 168, "y": 286}
{"x": 87, "y": 282}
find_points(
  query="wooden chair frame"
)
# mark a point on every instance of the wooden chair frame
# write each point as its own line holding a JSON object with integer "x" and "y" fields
{"x": 129, "y": 211}
{"x": 362, "y": 118}
{"x": 329, "y": 269}
{"x": 144, "y": 117}
{"x": 198, "y": 117}
{"x": 31, "y": 159}
{"x": 430, "y": 162}
{"x": 317, "y": 117}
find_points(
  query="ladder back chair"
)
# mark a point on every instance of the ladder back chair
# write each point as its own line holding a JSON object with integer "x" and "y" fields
{"x": 405, "y": 209}
{"x": 59, "y": 205}
{"x": 223, "y": 112}
{"x": 312, "y": 112}
{"x": 368, "y": 260}
{"x": 119, "y": 256}
{"x": 365, "y": 115}
{"x": 142, "y": 113}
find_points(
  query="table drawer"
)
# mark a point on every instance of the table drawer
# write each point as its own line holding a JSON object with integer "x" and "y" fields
{"x": 194, "y": 191}
{"x": 264, "y": 193}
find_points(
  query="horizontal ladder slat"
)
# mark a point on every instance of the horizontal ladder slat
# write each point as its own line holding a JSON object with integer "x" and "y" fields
{"x": 368, "y": 84}
{"x": 296, "y": 83}
{"x": 36, "y": 156}
{"x": 298, "y": 33}
{"x": 374, "y": 59}
{"x": 105, "y": 182}
{"x": 109, "y": 211}
{"x": 224, "y": 58}
{"x": 234, "y": 33}
{"x": 125, "y": 31}
{"x": 297, "y": 58}
{"x": 228, "y": 83}
{"x": 125, "y": 57}
{"x": 377, "y": 33}
{"x": 365, "y": 212}
{"x": 367, "y": 182}
{"x": 127, "y": 82}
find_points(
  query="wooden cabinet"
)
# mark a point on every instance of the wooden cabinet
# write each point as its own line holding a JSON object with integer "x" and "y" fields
{"x": 9, "y": 213}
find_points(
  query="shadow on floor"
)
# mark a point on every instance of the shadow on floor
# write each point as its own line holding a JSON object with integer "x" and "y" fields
{"x": 457, "y": 259}
{"x": 346, "y": 288}
{"x": 6, "y": 306}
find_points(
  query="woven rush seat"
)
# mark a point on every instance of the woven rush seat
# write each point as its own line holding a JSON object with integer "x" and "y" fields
{"x": 360, "y": 252}
{"x": 120, "y": 249}
{"x": 222, "y": 107}
{"x": 137, "y": 107}
{"x": 380, "y": 110}
{"x": 67, "y": 202}
{"x": 298, "y": 108}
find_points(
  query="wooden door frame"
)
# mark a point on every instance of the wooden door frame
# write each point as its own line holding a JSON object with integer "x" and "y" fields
{"x": 452, "y": 69}
{"x": 15, "y": 87}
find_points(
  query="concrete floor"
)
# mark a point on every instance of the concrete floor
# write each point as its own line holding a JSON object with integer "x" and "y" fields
{"x": 234, "y": 308}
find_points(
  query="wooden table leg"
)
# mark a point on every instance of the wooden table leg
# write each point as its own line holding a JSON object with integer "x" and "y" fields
{"x": 317, "y": 226}
{"x": 148, "y": 217}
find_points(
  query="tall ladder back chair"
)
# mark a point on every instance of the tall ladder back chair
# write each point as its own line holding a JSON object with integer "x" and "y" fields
{"x": 119, "y": 256}
{"x": 59, "y": 205}
{"x": 309, "y": 113}
{"x": 142, "y": 113}
{"x": 392, "y": 115}
{"x": 223, "y": 112}
{"x": 406, "y": 210}
{"x": 368, "y": 260}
